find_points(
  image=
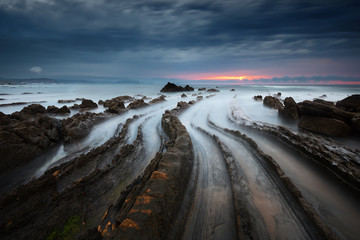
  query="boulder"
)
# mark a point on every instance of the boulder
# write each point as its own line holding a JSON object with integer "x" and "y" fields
{"x": 183, "y": 95}
{"x": 310, "y": 108}
{"x": 171, "y": 87}
{"x": 290, "y": 109}
{"x": 26, "y": 136}
{"x": 116, "y": 107}
{"x": 75, "y": 106}
{"x": 258, "y": 98}
{"x": 137, "y": 104}
{"x": 213, "y": 90}
{"x": 272, "y": 102}
{"x": 323, "y": 102}
{"x": 33, "y": 109}
{"x": 232, "y": 90}
{"x": 327, "y": 126}
{"x": 78, "y": 126}
{"x": 55, "y": 110}
{"x": 87, "y": 103}
{"x": 64, "y": 110}
{"x": 202, "y": 89}
{"x": 355, "y": 123}
{"x": 66, "y": 101}
{"x": 119, "y": 99}
{"x": 350, "y": 104}
{"x": 158, "y": 99}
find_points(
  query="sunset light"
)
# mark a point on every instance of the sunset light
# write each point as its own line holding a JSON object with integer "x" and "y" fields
{"x": 220, "y": 78}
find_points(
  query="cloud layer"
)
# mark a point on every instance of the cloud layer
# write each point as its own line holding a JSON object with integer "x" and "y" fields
{"x": 166, "y": 38}
{"x": 36, "y": 69}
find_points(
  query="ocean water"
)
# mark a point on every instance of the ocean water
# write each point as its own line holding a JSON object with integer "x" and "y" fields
{"x": 49, "y": 94}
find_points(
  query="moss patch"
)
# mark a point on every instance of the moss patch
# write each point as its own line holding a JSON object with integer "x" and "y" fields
{"x": 71, "y": 228}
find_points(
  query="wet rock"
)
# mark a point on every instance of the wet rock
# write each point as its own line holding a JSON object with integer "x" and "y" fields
{"x": 55, "y": 110}
{"x": 163, "y": 187}
{"x": 79, "y": 126}
{"x": 26, "y": 135}
{"x": 66, "y": 101}
{"x": 310, "y": 108}
{"x": 87, "y": 103}
{"x": 171, "y": 87}
{"x": 278, "y": 94}
{"x": 100, "y": 102}
{"x": 272, "y": 102}
{"x": 198, "y": 98}
{"x": 258, "y": 98}
{"x": 158, "y": 99}
{"x": 213, "y": 90}
{"x": 350, "y": 104}
{"x": 355, "y": 123}
{"x": 232, "y": 90}
{"x": 324, "y": 102}
{"x": 119, "y": 99}
{"x": 116, "y": 107}
{"x": 202, "y": 89}
{"x": 75, "y": 106}
{"x": 290, "y": 109}
{"x": 327, "y": 126}
{"x": 137, "y": 104}
{"x": 183, "y": 95}
{"x": 33, "y": 109}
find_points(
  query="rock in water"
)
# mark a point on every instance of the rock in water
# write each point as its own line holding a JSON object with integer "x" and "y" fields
{"x": 290, "y": 110}
{"x": 33, "y": 109}
{"x": 171, "y": 87}
{"x": 158, "y": 99}
{"x": 137, "y": 104}
{"x": 25, "y": 135}
{"x": 310, "y": 108}
{"x": 327, "y": 126}
{"x": 212, "y": 90}
{"x": 350, "y": 104}
{"x": 87, "y": 103}
{"x": 258, "y": 98}
{"x": 56, "y": 110}
{"x": 272, "y": 102}
{"x": 116, "y": 107}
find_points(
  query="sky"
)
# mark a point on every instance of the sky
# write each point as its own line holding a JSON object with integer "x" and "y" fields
{"x": 297, "y": 41}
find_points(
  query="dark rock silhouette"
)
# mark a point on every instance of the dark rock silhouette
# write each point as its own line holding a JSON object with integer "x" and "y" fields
{"x": 158, "y": 99}
{"x": 79, "y": 126}
{"x": 25, "y": 135}
{"x": 272, "y": 102}
{"x": 213, "y": 90}
{"x": 290, "y": 109}
{"x": 258, "y": 98}
{"x": 327, "y": 126}
{"x": 55, "y": 110}
{"x": 137, "y": 104}
{"x": 350, "y": 104}
{"x": 171, "y": 87}
{"x": 87, "y": 103}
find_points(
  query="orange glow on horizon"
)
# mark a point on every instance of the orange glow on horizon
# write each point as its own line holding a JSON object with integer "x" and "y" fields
{"x": 232, "y": 78}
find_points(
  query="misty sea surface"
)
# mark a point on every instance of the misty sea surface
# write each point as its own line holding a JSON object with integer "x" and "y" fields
{"x": 49, "y": 94}
{"x": 216, "y": 107}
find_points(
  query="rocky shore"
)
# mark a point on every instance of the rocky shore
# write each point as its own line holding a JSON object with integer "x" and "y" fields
{"x": 319, "y": 116}
{"x": 166, "y": 171}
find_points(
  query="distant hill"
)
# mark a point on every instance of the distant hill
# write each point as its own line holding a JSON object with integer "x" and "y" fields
{"x": 7, "y": 81}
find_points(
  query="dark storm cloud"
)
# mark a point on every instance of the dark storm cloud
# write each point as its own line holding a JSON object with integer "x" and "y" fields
{"x": 95, "y": 31}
